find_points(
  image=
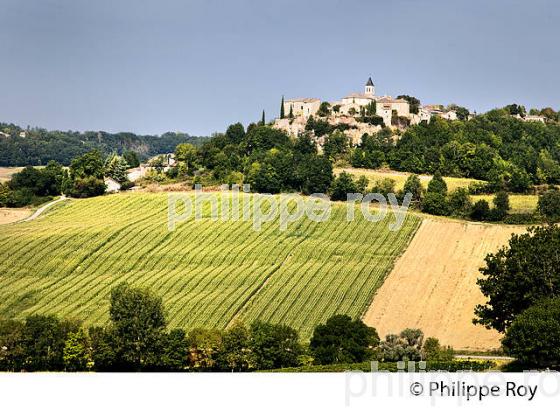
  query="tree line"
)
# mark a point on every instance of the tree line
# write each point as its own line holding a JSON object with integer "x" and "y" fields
{"x": 38, "y": 146}
{"x": 138, "y": 338}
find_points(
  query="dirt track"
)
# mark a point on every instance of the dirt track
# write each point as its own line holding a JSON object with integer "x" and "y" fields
{"x": 433, "y": 284}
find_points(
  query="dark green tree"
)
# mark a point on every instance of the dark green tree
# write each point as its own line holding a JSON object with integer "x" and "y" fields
{"x": 437, "y": 185}
{"x": 549, "y": 205}
{"x": 235, "y": 352}
{"x": 342, "y": 185}
{"x": 343, "y": 340}
{"x": 533, "y": 335}
{"x": 282, "y": 108}
{"x": 275, "y": 346}
{"x": 138, "y": 325}
{"x": 519, "y": 275}
{"x": 480, "y": 210}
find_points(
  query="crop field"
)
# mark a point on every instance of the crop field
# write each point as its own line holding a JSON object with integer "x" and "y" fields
{"x": 400, "y": 177}
{"x": 525, "y": 204}
{"x": 433, "y": 285}
{"x": 7, "y": 172}
{"x": 209, "y": 273}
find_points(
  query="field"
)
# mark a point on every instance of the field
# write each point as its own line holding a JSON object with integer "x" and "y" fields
{"x": 209, "y": 273}
{"x": 9, "y": 215}
{"x": 7, "y": 172}
{"x": 519, "y": 203}
{"x": 400, "y": 177}
{"x": 433, "y": 285}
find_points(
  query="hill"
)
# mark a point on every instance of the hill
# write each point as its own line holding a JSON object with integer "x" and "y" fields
{"x": 37, "y": 146}
{"x": 209, "y": 273}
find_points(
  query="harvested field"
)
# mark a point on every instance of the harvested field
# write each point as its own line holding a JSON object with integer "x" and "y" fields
{"x": 9, "y": 215}
{"x": 374, "y": 175}
{"x": 433, "y": 284}
{"x": 7, "y": 172}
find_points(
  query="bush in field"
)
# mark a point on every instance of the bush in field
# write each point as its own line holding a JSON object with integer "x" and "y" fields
{"x": 343, "y": 340}
{"x": 533, "y": 335}
{"x": 460, "y": 202}
{"x": 519, "y": 275}
{"x": 433, "y": 351}
{"x": 342, "y": 185}
{"x": 384, "y": 186}
{"x": 549, "y": 205}
{"x": 87, "y": 187}
{"x": 437, "y": 184}
{"x": 414, "y": 186}
{"x": 480, "y": 210}
{"x": 435, "y": 203}
{"x": 405, "y": 346}
{"x": 501, "y": 206}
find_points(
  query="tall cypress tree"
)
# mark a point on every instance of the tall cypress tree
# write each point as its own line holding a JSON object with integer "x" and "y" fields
{"x": 263, "y": 119}
{"x": 291, "y": 115}
{"x": 282, "y": 108}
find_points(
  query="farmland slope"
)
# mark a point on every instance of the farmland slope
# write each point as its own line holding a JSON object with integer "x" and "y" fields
{"x": 433, "y": 285}
{"x": 209, "y": 273}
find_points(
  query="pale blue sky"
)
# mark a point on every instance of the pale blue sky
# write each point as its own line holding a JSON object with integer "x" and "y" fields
{"x": 197, "y": 66}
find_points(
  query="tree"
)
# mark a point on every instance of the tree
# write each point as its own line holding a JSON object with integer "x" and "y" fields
{"x": 263, "y": 120}
{"x": 480, "y": 210}
{"x": 549, "y": 205}
{"x": 204, "y": 348}
{"x": 435, "y": 203}
{"x": 43, "y": 342}
{"x": 342, "y": 185}
{"x": 138, "y": 324}
{"x": 324, "y": 109}
{"x": 414, "y": 186}
{"x": 235, "y": 352}
{"x": 437, "y": 184}
{"x": 87, "y": 187}
{"x": 77, "y": 353}
{"x": 87, "y": 165}
{"x": 291, "y": 114}
{"x": 274, "y": 346}
{"x": 384, "y": 186}
{"x": 460, "y": 202}
{"x": 501, "y": 205}
{"x": 131, "y": 159}
{"x": 533, "y": 335}
{"x": 315, "y": 174}
{"x": 12, "y": 355}
{"x": 175, "y": 351}
{"x": 336, "y": 145}
{"x": 235, "y": 133}
{"x": 187, "y": 155}
{"x": 343, "y": 340}
{"x": 282, "y": 108}
{"x": 434, "y": 352}
{"x": 519, "y": 275}
{"x": 115, "y": 168}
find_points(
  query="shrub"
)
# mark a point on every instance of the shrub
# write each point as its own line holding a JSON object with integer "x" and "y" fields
{"x": 384, "y": 186}
{"x": 343, "y": 340}
{"x": 342, "y": 185}
{"x": 437, "y": 184}
{"x": 480, "y": 210}
{"x": 435, "y": 203}
{"x": 460, "y": 202}
{"x": 549, "y": 205}
{"x": 87, "y": 187}
{"x": 414, "y": 186}
{"x": 533, "y": 335}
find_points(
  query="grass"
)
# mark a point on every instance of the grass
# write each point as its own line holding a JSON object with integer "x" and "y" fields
{"x": 520, "y": 204}
{"x": 209, "y": 273}
{"x": 400, "y": 177}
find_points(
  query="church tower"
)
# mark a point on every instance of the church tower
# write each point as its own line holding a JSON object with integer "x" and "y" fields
{"x": 370, "y": 88}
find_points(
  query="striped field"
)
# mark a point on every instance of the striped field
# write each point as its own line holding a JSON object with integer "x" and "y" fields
{"x": 209, "y": 273}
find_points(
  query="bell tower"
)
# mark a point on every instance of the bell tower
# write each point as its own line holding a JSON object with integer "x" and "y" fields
{"x": 370, "y": 88}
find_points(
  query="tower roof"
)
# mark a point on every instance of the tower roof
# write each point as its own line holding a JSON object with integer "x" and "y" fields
{"x": 369, "y": 82}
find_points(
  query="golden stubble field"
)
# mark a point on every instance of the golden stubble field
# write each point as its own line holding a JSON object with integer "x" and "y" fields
{"x": 433, "y": 284}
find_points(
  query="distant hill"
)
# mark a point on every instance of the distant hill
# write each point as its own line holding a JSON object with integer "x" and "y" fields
{"x": 37, "y": 146}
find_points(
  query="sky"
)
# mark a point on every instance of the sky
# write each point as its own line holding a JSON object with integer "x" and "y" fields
{"x": 197, "y": 66}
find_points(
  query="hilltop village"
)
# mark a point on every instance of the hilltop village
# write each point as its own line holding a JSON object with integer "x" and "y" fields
{"x": 360, "y": 113}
